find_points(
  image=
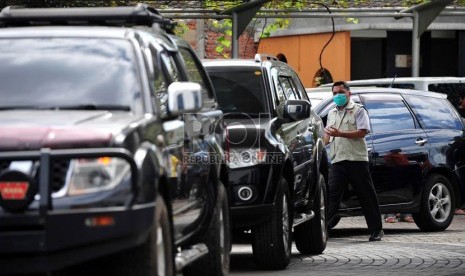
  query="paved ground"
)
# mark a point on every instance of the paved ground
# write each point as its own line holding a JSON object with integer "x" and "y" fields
{"x": 405, "y": 250}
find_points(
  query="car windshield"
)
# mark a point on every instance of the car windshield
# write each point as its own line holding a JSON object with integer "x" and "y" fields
{"x": 239, "y": 91}
{"x": 72, "y": 73}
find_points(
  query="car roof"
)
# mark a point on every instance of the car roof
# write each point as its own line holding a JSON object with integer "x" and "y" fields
{"x": 230, "y": 63}
{"x": 260, "y": 60}
{"x": 418, "y": 80}
{"x": 65, "y": 31}
{"x": 321, "y": 91}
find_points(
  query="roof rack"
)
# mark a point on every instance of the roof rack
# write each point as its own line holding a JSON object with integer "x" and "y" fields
{"x": 141, "y": 14}
{"x": 261, "y": 57}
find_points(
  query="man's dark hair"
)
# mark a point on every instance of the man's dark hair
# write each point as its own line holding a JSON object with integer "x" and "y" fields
{"x": 343, "y": 83}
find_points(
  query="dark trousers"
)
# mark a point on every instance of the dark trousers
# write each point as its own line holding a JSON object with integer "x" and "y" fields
{"x": 356, "y": 173}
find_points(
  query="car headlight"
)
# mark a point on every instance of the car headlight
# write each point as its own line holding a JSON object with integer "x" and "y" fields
{"x": 96, "y": 174}
{"x": 239, "y": 158}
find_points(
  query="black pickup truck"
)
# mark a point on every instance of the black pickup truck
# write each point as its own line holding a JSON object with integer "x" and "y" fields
{"x": 110, "y": 147}
{"x": 276, "y": 157}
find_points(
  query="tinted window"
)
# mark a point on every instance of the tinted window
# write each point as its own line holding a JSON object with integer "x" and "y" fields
{"x": 288, "y": 88}
{"x": 434, "y": 113}
{"x": 453, "y": 90}
{"x": 160, "y": 86}
{"x": 65, "y": 72}
{"x": 239, "y": 90}
{"x": 169, "y": 65}
{"x": 278, "y": 94}
{"x": 387, "y": 113}
{"x": 196, "y": 74}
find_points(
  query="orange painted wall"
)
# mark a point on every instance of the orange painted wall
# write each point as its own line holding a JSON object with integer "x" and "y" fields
{"x": 303, "y": 52}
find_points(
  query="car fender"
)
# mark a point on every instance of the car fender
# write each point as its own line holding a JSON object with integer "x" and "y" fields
{"x": 151, "y": 169}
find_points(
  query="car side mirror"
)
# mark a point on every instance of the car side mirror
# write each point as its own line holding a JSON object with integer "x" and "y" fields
{"x": 295, "y": 110}
{"x": 184, "y": 97}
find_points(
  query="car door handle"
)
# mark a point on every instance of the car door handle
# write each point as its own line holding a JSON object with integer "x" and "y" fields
{"x": 421, "y": 141}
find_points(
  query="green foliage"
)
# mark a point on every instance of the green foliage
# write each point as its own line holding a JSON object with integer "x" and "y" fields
{"x": 181, "y": 28}
{"x": 223, "y": 26}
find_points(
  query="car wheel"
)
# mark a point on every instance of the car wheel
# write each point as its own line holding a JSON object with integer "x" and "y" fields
{"x": 154, "y": 257}
{"x": 271, "y": 241}
{"x": 437, "y": 205}
{"x": 311, "y": 237}
{"x": 217, "y": 239}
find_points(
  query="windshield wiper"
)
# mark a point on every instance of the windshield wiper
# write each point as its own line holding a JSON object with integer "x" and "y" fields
{"x": 245, "y": 114}
{"x": 69, "y": 107}
{"x": 90, "y": 107}
{"x": 18, "y": 107}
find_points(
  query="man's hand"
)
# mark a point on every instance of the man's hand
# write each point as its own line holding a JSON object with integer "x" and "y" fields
{"x": 332, "y": 131}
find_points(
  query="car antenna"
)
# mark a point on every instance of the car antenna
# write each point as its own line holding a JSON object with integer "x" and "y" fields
{"x": 390, "y": 86}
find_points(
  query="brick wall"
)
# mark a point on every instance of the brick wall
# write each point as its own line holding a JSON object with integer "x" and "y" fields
{"x": 247, "y": 46}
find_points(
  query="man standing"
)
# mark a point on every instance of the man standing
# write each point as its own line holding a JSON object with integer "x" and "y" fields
{"x": 346, "y": 129}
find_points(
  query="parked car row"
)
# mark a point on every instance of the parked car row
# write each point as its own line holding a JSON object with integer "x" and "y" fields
{"x": 416, "y": 153}
{"x": 119, "y": 157}
{"x": 121, "y": 153}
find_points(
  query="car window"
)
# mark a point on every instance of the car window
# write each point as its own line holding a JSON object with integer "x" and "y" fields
{"x": 196, "y": 74}
{"x": 162, "y": 81}
{"x": 300, "y": 89}
{"x": 169, "y": 65}
{"x": 278, "y": 94}
{"x": 239, "y": 90}
{"x": 387, "y": 113}
{"x": 288, "y": 88}
{"x": 434, "y": 113}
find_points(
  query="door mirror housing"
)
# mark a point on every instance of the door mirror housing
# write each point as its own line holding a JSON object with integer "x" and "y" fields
{"x": 184, "y": 97}
{"x": 295, "y": 110}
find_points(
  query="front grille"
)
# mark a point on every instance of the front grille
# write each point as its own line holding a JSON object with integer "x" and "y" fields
{"x": 58, "y": 171}
{"x": 4, "y": 165}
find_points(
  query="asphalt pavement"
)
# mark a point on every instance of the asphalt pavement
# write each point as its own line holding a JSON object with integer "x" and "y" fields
{"x": 404, "y": 250}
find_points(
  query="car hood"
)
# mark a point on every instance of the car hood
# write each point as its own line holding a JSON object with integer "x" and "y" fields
{"x": 245, "y": 133}
{"x": 34, "y": 129}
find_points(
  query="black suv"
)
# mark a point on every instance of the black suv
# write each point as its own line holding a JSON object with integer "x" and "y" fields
{"x": 416, "y": 152}
{"x": 110, "y": 146}
{"x": 276, "y": 157}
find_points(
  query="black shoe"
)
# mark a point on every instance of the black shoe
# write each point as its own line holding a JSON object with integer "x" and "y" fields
{"x": 377, "y": 235}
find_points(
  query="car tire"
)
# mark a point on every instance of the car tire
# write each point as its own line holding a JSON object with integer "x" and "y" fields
{"x": 437, "y": 205}
{"x": 311, "y": 237}
{"x": 154, "y": 257}
{"x": 217, "y": 239}
{"x": 271, "y": 241}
